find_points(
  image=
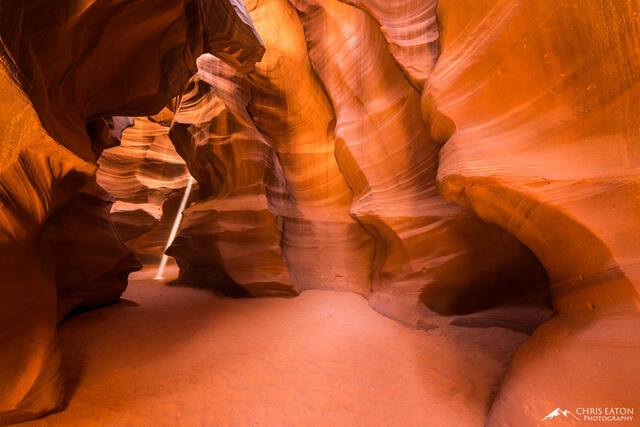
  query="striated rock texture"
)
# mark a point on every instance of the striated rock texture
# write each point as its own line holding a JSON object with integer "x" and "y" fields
{"x": 147, "y": 178}
{"x": 446, "y": 160}
{"x": 324, "y": 246}
{"x": 38, "y": 176}
{"x": 317, "y": 171}
{"x": 428, "y": 250}
{"x": 66, "y": 81}
{"x": 527, "y": 121}
{"x": 88, "y": 259}
{"x": 230, "y": 240}
{"x": 542, "y": 97}
{"x": 59, "y": 51}
{"x": 410, "y": 28}
{"x": 271, "y": 142}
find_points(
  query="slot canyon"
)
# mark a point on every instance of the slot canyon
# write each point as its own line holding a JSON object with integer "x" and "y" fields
{"x": 319, "y": 212}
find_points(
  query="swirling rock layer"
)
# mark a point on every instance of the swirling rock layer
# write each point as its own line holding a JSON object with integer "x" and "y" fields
{"x": 276, "y": 144}
{"x": 411, "y": 30}
{"x": 146, "y": 177}
{"x": 37, "y": 176}
{"x": 231, "y": 239}
{"x": 542, "y": 97}
{"x": 88, "y": 259}
{"x": 318, "y": 172}
{"x": 68, "y": 75}
{"x": 428, "y": 250}
{"x": 85, "y": 60}
{"x": 324, "y": 166}
{"x": 522, "y": 124}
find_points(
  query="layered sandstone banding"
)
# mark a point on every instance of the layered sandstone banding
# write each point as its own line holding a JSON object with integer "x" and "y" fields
{"x": 318, "y": 164}
{"x": 88, "y": 259}
{"x": 428, "y": 251}
{"x": 231, "y": 239}
{"x": 411, "y": 30}
{"x": 68, "y": 74}
{"x": 274, "y": 135}
{"x": 324, "y": 246}
{"x": 146, "y": 177}
{"x": 446, "y": 160}
{"x": 84, "y": 47}
{"x": 542, "y": 95}
{"x": 37, "y": 176}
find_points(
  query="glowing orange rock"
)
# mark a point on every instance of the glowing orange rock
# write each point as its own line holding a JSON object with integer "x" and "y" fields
{"x": 362, "y": 213}
{"x": 411, "y": 30}
{"x": 37, "y": 176}
{"x": 231, "y": 239}
{"x": 146, "y": 177}
{"x": 75, "y": 64}
{"x": 283, "y": 140}
{"x": 542, "y": 96}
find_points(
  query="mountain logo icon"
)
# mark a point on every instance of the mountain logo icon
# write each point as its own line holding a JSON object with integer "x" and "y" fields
{"x": 557, "y": 412}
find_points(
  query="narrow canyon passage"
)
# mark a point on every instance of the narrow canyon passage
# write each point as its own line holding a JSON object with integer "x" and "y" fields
{"x": 169, "y": 355}
{"x": 375, "y": 212}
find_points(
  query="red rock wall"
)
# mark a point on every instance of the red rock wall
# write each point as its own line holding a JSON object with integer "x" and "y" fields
{"x": 37, "y": 176}
{"x": 65, "y": 72}
{"x": 318, "y": 169}
{"x": 147, "y": 178}
{"x": 437, "y": 160}
{"x": 410, "y": 28}
{"x": 530, "y": 131}
{"x": 542, "y": 96}
{"x": 425, "y": 245}
{"x": 231, "y": 239}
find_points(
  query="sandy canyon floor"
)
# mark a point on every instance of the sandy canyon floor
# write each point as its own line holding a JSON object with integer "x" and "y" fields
{"x": 179, "y": 356}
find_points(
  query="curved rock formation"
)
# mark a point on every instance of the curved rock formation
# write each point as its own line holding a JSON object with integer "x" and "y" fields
{"x": 86, "y": 256}
{"x": 37, "y": 176}
{"x": 411, "y": 30}
{"x": 428, "y": 250}
{"x": 231, "y": 239}
{"x": 317, "y": 172}
{"x": 446, "y": 169}
{"x": 541, "y": 96}
{"x": 510, "y": 104}
{"x": 82, "y": 48}
{"x": 65, "y": 72}
{"x": 142, "y": 174}
{"x": 278, "y": 138}
{"x": 324, "y": 246}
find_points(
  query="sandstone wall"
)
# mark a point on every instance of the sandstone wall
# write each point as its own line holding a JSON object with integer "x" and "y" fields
{"x": 147, "y": 178}
{"x": 453, "y": 160}
{"x": 318, "y": 172}
{"x": 68, "y": 74}
{"x": 542, "y": 99}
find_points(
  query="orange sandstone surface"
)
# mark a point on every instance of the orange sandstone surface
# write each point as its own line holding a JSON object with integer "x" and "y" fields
{"x": 542, "y": 96}
{"x": 147, "y": 178}
{"x": 66, "y": 80}
{"x": 466, "y": 168}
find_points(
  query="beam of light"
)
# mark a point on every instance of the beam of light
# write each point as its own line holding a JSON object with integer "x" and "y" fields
{"x": 174, "y": 229}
